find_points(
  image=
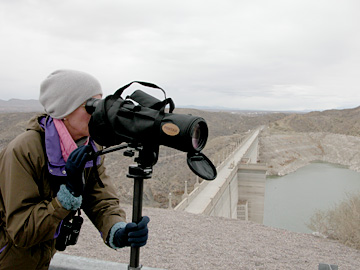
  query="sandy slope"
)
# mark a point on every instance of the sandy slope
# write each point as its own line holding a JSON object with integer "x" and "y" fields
{"x": 180, "y": 240}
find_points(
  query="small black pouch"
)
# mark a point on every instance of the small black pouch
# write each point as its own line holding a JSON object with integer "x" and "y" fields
{"x": 69, "y": 231}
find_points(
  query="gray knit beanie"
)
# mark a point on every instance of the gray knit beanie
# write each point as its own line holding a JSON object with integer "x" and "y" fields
{"x": 63, "y": 91}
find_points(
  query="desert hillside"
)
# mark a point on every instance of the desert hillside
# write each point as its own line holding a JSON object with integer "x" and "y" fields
{"x": 171, "y": 171}
{"x": 295, "y": 140}
{"x": 288, "y": 142}
{"x": 332, "y": 121}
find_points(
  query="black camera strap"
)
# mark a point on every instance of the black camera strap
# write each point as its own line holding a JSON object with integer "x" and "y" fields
{"x": 163, "y": 103}
{"x": 149, "y": 101}
{"x": 119, "y": 92}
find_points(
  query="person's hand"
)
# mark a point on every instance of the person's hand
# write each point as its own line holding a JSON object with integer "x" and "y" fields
{"x": 134, "y": 235}
{"x": 74, "y": 169}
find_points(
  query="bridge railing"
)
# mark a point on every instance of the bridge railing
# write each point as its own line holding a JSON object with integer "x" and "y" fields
{"x": 188, "y": 199}
{"x": 220, "y": 192}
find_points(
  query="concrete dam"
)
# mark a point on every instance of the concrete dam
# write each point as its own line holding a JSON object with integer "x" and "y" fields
{"x": 239, "y": 188}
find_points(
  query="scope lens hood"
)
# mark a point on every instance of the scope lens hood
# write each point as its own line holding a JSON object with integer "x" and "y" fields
{"x": 201, "y": 165}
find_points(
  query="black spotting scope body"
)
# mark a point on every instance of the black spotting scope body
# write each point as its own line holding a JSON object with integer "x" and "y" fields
{"x": 141, "y": 119}
{"x": 114, "y": 122}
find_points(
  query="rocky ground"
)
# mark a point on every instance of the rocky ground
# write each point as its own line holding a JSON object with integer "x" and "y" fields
{"x": 179, "y": 240}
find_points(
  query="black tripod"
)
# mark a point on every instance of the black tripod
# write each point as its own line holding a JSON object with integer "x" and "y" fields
{"x": 146, "y": 159}
{"x": 139, "y": 172}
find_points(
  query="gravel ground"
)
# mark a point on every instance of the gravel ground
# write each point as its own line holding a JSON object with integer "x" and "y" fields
{"x": 180, "y": 240}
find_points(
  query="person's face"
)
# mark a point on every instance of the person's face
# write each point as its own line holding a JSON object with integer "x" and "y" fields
{"x": 77, "y": 122}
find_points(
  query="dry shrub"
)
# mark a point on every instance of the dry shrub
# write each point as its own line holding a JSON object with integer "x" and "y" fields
{"x": 341, "y": 223}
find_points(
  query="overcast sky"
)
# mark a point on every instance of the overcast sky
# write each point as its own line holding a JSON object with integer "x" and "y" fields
{"x": 244, "y": 54}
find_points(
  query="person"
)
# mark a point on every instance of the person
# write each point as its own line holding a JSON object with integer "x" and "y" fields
{"x": 47, "y": 178}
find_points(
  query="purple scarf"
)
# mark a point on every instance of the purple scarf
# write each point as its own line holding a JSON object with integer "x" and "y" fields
{"x": 56, "y": 162}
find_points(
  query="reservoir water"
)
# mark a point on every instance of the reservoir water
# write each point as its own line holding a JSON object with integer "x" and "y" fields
{"x": 292, "y": 199}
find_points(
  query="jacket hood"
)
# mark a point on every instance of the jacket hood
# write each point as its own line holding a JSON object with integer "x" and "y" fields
{"x": 33, "y": 123}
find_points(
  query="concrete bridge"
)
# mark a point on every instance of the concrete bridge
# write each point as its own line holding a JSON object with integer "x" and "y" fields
{"x": 239, "y": 189}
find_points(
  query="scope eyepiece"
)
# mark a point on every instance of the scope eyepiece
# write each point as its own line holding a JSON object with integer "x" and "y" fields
{"x": 90, "y": 105}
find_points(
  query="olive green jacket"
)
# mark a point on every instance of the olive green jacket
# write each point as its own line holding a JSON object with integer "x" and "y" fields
{"x": 30, "y": 213}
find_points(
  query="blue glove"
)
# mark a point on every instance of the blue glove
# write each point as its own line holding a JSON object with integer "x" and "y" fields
{"x": 74, "y": 169}
{"x": 134, "y": 235}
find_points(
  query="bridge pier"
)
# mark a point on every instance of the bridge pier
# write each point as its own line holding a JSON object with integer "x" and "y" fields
{"x": 251, "y": 187}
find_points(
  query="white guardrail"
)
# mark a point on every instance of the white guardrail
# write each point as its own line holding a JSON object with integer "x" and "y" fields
{"x": 188, "y": 199}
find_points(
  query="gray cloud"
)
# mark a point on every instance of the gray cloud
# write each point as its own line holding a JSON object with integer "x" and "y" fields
{"x": 255, "y": 54}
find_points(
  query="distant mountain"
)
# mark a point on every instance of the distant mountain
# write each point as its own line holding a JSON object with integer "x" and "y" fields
{"x": 345, "y": 121}
{"x": 234, "y": 110}
{"x": 20, "y": 105}
{"x": 32, "y": 105}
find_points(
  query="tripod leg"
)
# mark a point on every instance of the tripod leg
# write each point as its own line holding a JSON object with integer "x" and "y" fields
{"x": 136, "y": 217}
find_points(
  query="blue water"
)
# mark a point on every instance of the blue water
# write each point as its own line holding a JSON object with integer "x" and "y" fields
{"x": 292, "y": 199}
